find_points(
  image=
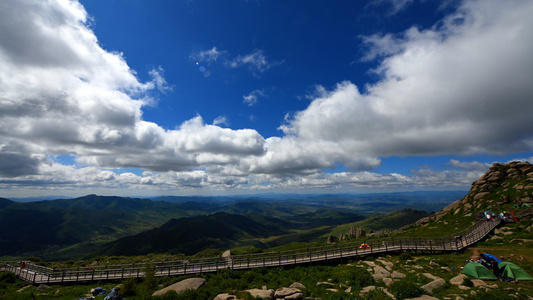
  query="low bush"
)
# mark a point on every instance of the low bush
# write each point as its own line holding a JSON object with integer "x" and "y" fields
{"x": 404, "y": 289}
{"x": 405, "y": 256}
{"x": 128, "y": 289}
{"x": 360, "y": 277}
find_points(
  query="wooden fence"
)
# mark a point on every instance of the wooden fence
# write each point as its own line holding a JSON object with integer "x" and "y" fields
{"x": 38, "y": 274}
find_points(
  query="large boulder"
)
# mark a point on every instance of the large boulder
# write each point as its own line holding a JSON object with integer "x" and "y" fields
{"x": 179, "y": 287}
{"x": 263, "y": 294}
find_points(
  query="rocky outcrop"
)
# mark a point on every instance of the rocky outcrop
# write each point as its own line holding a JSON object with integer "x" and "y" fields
{"x": 353, "y": 233}
{"x": 502, "y": 183}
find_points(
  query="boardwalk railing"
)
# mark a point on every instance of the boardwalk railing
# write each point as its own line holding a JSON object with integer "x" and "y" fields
{"x": 39, "y": 274}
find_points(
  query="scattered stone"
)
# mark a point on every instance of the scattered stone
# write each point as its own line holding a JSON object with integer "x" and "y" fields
{"x": 348, "y": 290}
{"x": 333, "y": 290}
{"x": 181, "y": 286}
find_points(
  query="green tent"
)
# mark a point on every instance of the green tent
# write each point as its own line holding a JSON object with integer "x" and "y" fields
{"x": 510, "y": 270}
{"x": 479, "y": 271}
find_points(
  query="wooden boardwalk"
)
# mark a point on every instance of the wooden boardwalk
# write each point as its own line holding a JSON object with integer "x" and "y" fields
{"x": 38, "y": 274}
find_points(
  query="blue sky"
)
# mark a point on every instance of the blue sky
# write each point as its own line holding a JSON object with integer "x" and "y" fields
{"x": 131, "y": 97}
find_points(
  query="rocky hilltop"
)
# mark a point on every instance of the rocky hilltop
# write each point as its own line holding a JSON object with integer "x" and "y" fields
{"x": 500, "y": 187}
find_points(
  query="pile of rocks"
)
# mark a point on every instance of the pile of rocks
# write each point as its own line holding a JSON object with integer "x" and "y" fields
{"x": 515, "y": 177}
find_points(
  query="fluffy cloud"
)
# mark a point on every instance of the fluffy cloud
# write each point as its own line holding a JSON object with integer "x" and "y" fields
{"x": 61, "y": 93}
{"x": 461, "y": 87}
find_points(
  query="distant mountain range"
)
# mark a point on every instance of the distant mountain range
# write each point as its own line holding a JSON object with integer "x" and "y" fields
{"x": 46, "y": 228}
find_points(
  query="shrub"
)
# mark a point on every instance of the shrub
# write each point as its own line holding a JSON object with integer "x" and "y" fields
{"x": 405, "y": 256}
{"x": 149, "y": 276}
{"x": 128, "y": 290}
{"x": 8, "y": 277}
{"x": 360, "y": 277}
{"x": 403, "y": 289}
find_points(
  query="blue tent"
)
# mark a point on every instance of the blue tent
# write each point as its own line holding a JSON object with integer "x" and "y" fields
{"x": 493, "y": 257}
